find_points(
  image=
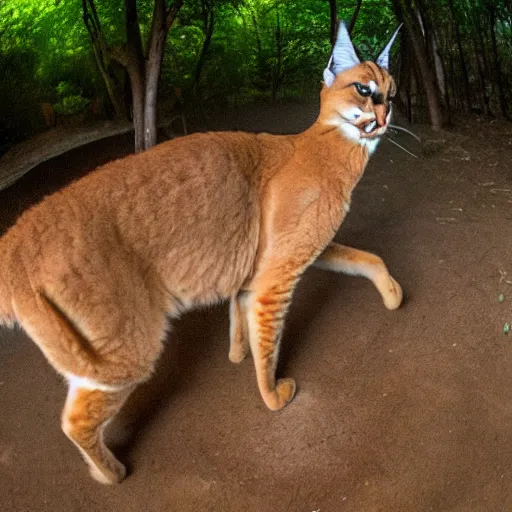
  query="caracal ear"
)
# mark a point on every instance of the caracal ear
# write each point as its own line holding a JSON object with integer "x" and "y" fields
{"x": 383, "y": 58}
{"x": 343, "y": 55}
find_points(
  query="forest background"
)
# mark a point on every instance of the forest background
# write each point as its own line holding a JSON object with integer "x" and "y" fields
{"x": 75, "y": 61}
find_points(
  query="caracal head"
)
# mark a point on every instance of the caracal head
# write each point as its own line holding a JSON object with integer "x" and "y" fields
{"x": 356, "y": 96}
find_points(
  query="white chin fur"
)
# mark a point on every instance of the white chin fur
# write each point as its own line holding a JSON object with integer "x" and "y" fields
{"x": 371, "y": 144}
{"x": 352, "y": 133}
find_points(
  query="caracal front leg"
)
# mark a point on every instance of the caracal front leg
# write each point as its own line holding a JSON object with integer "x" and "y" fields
{"x": 238, "y": 328}
{"x": 267, "y": 303}
{"x": 341, "y": 258}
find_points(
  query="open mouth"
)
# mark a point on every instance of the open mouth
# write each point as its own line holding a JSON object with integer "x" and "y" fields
{"x": 369, "y": 130}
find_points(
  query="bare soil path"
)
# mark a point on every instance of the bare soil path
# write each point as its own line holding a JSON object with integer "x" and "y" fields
{"x": 47, "y": 145}
{"x": 396, "y": 411}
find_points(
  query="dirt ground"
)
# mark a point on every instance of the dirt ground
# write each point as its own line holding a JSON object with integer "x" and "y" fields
{"x": 408, "y": 410}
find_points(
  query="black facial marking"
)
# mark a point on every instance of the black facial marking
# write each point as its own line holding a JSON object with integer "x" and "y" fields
{"x": 378, "y": 98}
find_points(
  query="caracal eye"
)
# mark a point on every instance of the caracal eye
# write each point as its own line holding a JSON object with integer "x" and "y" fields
{"x": 363, "y": 90}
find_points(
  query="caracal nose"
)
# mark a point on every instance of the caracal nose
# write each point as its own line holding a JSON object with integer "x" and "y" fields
{"x": 380, "y": 115}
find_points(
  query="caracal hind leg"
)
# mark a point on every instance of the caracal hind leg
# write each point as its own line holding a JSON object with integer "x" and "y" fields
{"x": 238, "y": 328}
{"x": 104, "y": 343}
{"x": 340, "y": 258}
{"x": 86, "y": 414}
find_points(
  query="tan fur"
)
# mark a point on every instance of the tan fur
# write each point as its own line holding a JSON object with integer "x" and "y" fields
{"x": 92, "y": 271}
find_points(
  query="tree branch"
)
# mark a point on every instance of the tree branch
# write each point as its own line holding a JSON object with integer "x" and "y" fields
{"x": 172, "y": 12}
{"x": 354, "y": 16}
{"x": 119, "y": 53}
{"x": 333, "y": 18}
{"x": 133, "y": 36}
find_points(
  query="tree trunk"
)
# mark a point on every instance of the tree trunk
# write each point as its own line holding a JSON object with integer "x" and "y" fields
{"x": 481, "y": 60}
{"x": 446, "y": 88}
{"x": 137, "y": 88}
{"x": 276, "y": 75}
{"x": 110, "y": 85}
{"x": 257, "y": 33}
{"x": 496, "y": 59}
{"x": 479, "y": 33}
{"x": 155, "y": 53}
{"x": 161, "y": 23}
{"x": 354, "y": 16}
{"x": 135, "y": 68}
{"x": 260, "y": 59}
{"x": 427, "y": 76}
{"x": 453, "y": 83}
{"x": 208, "y": 26}
{"x": 431, "y": 90}
{"x": 92, "y": 23}
{"x": 431, "y": 45}
{"x": 404, "y": 75}
{"x": 484, "y": 98}
{"x": 438, "y": 64}
{"x": 334, "y": 20}
{"x": 462, "y": 60}
{"x": 143, "y": 74}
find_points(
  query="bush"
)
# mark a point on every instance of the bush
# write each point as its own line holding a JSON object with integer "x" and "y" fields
{"x": 73, "y": 104}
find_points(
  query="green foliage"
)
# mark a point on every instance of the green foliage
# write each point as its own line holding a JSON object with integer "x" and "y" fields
{"x": 72, "y": 104}
{"x": 260, "y": 49}
{"x": 64, "y": 89}
{"x": 243, "y": 61}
